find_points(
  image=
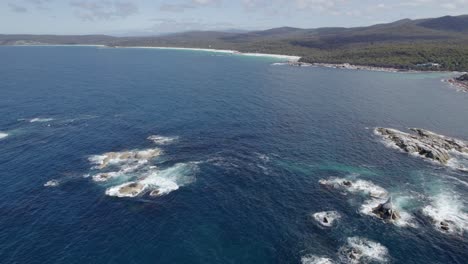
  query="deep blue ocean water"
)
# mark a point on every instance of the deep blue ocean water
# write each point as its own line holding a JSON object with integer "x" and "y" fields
{"x": 250, "y": 143}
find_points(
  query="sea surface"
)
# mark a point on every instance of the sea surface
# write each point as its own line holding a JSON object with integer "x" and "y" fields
{"x": 231, "y": 149}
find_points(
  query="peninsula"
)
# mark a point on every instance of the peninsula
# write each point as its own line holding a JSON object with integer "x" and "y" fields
{"x": 433, "y": 44}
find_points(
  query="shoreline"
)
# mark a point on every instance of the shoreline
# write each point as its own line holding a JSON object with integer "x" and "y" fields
{"x": 461, "y": 86}
{"x": 289, "y": 58}
{"x": 348, "y": 66}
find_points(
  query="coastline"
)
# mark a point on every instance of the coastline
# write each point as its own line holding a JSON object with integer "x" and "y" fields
{"x": 288, "y": 58}
{"x": 461, "y": 86}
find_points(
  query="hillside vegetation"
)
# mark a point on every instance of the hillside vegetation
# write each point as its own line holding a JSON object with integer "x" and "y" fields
{"x": 425, "y": 44}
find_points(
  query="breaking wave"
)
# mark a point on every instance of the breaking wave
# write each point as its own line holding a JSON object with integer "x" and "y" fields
{"x": 447, "y": 213}
{"x": 359, "y": 186}
{"x": 40, "y": 120}
{"x": 405, "y": 219}
{"x": 156, "y": 182}
{"x": 312, "y": 259}
{"x": 133, "y": 173}
{"x": 125, "y": 159}
{"x": 161, "y": 140}
{"x": 3, "y": 135}
{"x": 361, "y": 250}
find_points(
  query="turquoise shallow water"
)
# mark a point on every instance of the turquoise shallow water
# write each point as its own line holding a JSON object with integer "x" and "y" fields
{"x": 246, "y": 145}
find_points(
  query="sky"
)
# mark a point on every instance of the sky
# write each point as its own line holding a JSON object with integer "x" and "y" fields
{"x": 152, "y": 17}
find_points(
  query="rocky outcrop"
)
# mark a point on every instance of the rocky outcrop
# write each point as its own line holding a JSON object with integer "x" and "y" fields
{"x": 425, "y": 143}
{"x": 463, "y": 78}
{"x": 327, "y": 218}
{"x": 299, "y": 64}
{"x": 460, "y": 82}
{"x": 130, "y": 189}
{"x": 387, "y": 211}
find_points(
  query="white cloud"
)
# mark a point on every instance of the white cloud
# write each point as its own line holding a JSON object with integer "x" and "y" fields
{"x": 104, "y": 10}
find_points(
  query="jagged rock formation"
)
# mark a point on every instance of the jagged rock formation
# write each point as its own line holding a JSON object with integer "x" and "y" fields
{"x": 425, "y": 143}
{"x": 386, "y": 211}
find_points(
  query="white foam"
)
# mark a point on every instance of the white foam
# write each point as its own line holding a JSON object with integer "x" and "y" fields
{"x": 330, "y": 216}
{"x": 123, "y": 158}
{"x": 40, "y": 120}
{"x": 157, "y": 182}
{"x": 447, "y": 208}
{"x": 405, "y": 220}
{"x": 3, "y": 135}
{"x": 170, "y": 179}
{"x": 161, "y": 140}
{"x": 361, "y": 250}
{"x": 458, "y": 161}
{"x": 118, "y": 191}
{"x": 52, "y": 183}
{"x": 359, "y": 186}
{"x": 312, "y": 259}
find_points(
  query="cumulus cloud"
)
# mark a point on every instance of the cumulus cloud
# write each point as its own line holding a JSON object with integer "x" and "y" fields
{"x": 104, "y": 10}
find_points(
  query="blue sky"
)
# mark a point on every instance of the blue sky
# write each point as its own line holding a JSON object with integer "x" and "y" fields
{"x": 136, "y": 17}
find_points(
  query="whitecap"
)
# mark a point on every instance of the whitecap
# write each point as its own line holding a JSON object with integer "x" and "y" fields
{"x": 361, "y": 250}
{"x": 40, "y": 120}
{"x": 52, "y": 183}
{"x": 157, "y": 182}
{"x": 125, "y": 157}
{"x": 458, "y": 161}
{"x": 3, "y": 135}
{"x": 312, "y": 259}
{"x": 359, "y": 186}
{"x": 447, "y": 213}
{"x": 161, "y": 140}
{"x": 327, "y": 218}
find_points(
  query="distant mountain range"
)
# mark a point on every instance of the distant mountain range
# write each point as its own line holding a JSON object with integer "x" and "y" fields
{"x": 425, "y": 44}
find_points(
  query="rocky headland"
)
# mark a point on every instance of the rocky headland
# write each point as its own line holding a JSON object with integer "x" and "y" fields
{"x": 426, "y": 144}
{"x": 461, "y": 82}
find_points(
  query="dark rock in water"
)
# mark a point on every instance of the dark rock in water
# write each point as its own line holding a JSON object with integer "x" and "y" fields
{"x": 447, "y": 226}
{"x": 386, "y": 211}
{"x": 155, "y": 193}
{"x": 347, "y": 183}
{"x": 326, "y": 218}
{"x": 444, "y": 226}
{"x": 463, "y": 78}
{"x": 425, "y": 143}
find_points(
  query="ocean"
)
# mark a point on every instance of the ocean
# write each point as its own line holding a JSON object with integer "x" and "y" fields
{"x": 113, "y": 155}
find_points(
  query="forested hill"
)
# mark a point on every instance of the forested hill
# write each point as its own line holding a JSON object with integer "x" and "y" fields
{"x": 425, "y": 44}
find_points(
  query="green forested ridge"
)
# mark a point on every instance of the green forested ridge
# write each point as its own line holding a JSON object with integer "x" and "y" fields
{"x": 404, "y": 44}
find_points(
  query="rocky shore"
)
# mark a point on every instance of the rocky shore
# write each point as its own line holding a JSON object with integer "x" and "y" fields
{"x": 460, "y": 82}
{"x": 348, "y": 66}
{"x": 426, "y": 144}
